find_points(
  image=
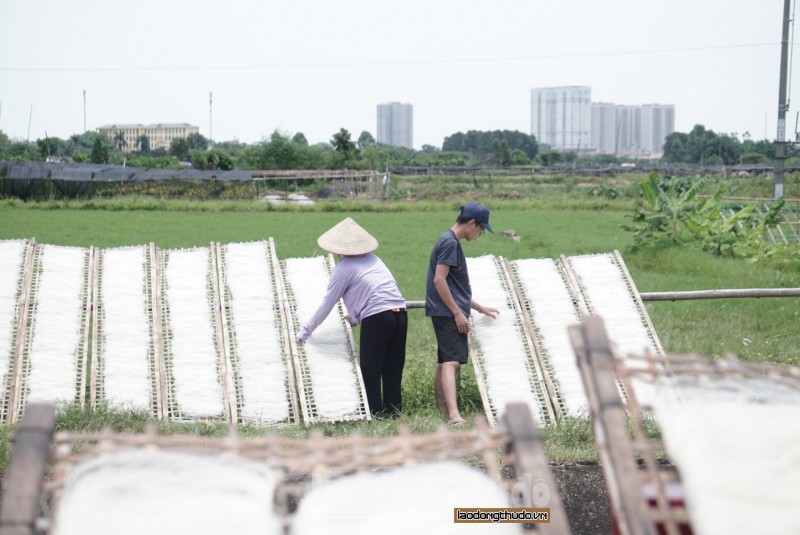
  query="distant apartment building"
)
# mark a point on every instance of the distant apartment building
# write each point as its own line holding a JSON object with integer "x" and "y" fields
{"x": 396, "y": 124}
{"x": 629, "y": 131}
{"x": 638, "y": 130}
{"x": 159, "y": 135}
{"x": 604, "y": 127}
{"x": 561, "y": 117}
{"x": 658, "y": 122}
{"x": 565, "y": 118}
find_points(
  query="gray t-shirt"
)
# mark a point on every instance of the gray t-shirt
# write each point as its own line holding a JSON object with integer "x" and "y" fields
{"x": 447, "y": 250}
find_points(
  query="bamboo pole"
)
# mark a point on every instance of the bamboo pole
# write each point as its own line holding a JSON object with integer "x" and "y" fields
{"x": 720, "y": 294}
{"x": 694, "y": 294}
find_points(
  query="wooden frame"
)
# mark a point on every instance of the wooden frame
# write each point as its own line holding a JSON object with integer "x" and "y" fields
{"x": 172, "y": 410}
{"x": 8, "y": 404}
{"x": 302, "y": 462}
{"x": 229, "y": 335}
{"x": 28, "y": 305}
{"x": 303, "y": 372}
{"x": 639, "y": 488}
{"x": 537, "y": 378}
{"x": 545, "y": 363}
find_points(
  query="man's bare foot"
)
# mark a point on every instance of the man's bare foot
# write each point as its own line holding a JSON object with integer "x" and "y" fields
{"x": 456, "y": 421}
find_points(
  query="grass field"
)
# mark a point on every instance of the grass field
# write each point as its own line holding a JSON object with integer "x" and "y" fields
{"x": 754, "y": 329}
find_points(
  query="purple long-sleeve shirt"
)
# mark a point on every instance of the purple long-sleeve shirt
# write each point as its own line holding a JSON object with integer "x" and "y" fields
{"x": 365, "y": 285}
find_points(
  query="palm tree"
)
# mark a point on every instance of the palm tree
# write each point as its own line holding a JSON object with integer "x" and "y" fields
{"x": 119, "y": 141}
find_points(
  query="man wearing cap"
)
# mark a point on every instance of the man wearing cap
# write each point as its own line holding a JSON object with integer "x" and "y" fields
{"x": 448, "y": 300}
{"x": 373, "y": 300}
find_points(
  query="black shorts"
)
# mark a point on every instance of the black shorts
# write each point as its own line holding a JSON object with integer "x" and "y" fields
{"x": 453, "y": 345}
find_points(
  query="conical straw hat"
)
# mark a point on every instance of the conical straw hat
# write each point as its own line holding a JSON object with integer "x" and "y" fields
{"x": 347, "y": 238}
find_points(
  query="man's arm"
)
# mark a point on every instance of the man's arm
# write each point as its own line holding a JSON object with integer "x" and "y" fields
{"x": 489, "y": 311}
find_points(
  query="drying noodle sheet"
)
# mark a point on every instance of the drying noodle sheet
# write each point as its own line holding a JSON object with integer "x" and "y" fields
{"x": 610, "y": 298}
{"x": 505, "y": 358}
{"x": 55, "y": 346}
{"x": 158, "y": 492}
{"x": 12, "y": 257}
{"x": 194, "y": 360}
{"x": 552, "y": 310}
{"x": 334, "y": 380}
{"x": 257, "y": 326}
{"x": 735, "y": 443}
{"x": 410, "y": 500}
{"x": 125, "y": 329}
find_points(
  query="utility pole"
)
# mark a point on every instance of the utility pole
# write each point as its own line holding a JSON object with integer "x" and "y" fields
{"x": 210, "y": 119}
{"x": 30, "y": 118}
{"x": 84, "y": 110}
{"x": 783, "y": 106}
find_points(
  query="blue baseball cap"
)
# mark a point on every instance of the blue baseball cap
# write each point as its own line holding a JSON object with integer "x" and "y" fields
{"x": 478, "y": 212}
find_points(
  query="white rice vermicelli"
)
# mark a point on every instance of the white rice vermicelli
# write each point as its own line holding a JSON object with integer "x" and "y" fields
{"x": 257, "y": 324}
{"x": 611, "y": 299}
{"x": 125, "y": 329}
{"x": 413, "y": 500}
{"x": 57, "y": 324}
{"x": 736, "y": 444}
{"x": 552, "y": 311}
{"x": 333, "y": 376}
{"x": 155, "y": 492}
{"x": 194, "y": 358}
{"x": 501, "y": 341}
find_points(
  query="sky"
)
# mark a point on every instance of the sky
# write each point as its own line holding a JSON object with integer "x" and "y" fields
{"x": 316, "y": 66}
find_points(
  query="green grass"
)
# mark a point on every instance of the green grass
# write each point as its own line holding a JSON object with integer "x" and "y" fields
{"x": 755, "y": 329}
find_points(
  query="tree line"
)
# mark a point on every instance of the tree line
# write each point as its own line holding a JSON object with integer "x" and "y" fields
{"x": 500, "y": 148}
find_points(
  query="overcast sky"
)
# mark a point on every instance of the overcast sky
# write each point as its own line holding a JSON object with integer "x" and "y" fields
{"x": 315, "y": 66}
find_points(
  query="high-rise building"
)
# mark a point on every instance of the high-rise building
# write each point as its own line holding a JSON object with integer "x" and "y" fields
{"x": 561, "y": 117}
{"x": 629, "y": 131}
{"x": 396, "y": 124}
{"x": 565, "y": 118}
{"x": 658, "y": 122}
{"x": 604, "y": 127}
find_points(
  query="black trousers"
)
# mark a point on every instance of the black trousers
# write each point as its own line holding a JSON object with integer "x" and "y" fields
{"x": 382, "y": 352}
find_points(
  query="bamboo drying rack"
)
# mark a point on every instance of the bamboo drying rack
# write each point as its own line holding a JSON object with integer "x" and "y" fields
{"x": 646, "y": 495}
{"x": 41, "y": 460}
{"x": 25, "y": 325}
{"x": 537, "y": 378}
{"x": 305, "y": 385}
{"x": 228, "y": 333}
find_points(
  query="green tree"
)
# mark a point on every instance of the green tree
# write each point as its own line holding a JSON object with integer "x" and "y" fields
{"x": 196, "y": 142}
{"x": 501, "y": 152}
{"x": 482, "y": 144}
{"x": 212, "y": 160}
{"x": 99, "y": 152}
{"x": 345, "y": 150}
{"x": 143, "y": 144}
{"x": 300, "y": 139}
{"x": 365, "y": 140}
{"x": 702, "y": 146}
{"x": 51, "y": 146}
{"x": 179, "y": 148}
{"x": 119, "y": 141}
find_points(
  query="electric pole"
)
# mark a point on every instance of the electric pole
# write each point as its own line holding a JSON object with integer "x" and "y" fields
{"x": 783, "y": 106}
{"x": 84, "y": 110}
{"x": 210, "y": 119}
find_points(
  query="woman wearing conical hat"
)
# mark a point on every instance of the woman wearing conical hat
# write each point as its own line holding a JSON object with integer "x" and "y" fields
{"x": 374, "y": 301}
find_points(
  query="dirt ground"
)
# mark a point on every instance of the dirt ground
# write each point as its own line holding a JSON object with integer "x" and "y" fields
{"x": 584, "y": 496}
